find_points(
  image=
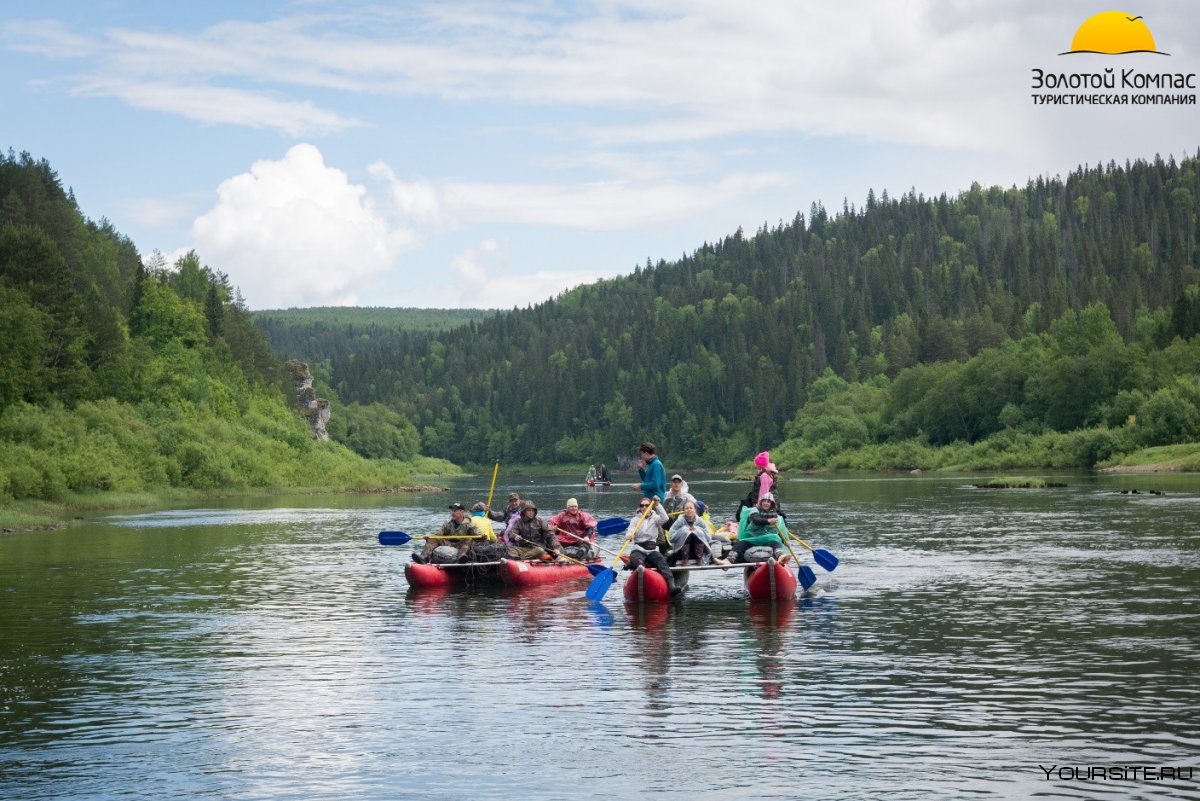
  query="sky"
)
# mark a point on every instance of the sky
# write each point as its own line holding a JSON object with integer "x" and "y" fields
{"x": 495, "y": 154}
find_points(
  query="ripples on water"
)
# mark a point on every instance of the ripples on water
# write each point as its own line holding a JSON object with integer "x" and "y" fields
{"x": 276, "y": 653}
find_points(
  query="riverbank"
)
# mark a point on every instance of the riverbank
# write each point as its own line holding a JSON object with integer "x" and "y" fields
{"x": 1165, "y": 459}
{"x": 45, "y": 515}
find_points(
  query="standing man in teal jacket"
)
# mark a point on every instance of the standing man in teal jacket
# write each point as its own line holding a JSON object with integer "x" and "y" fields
{"x": 652, "y": 472}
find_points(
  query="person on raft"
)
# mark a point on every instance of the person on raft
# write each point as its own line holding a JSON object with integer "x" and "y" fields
{"x": 677, "y": 495}
{"x": 761, "y": 484}
{"x": 690, "y": 538}
{"x": 454, "y": 539}
{"x": 652, "y": 473}
{"x": 480, "y": 521}
{"x": 510, "y": 511}
{"x": 528, "y": 536}
{"x": 591, "y": 474}
{"x": 578, "y": 522}
{"x": 643, "y": 530}
{"x": 602, "y": 476}
{"x": 760, "y": 530}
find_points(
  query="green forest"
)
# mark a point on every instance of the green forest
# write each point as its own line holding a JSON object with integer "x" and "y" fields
{"x": 122, "y": 377}
{"x": 293, "y": 329}
{"x": 1052, "y": 324}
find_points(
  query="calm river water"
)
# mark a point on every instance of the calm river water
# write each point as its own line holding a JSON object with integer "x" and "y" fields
{"x": 972, "y": 644}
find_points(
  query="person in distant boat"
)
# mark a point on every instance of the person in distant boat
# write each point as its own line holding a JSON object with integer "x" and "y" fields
{"x": 459, "y": 532}
{"x": 528, "y": 536}
{"x": 652, "y": 472}
{"x": 591, "y": 474}
{"x": 677, "y": 495}
{"x": 760, "y": 528}
{"x": 578, "y": 522}
{"x": 644, "y": 532}
{"x": 690, "y": 538}
{"x": 762, "y": 483}
{"x": 602, "y": 476}
{"x": 510, "y": 511}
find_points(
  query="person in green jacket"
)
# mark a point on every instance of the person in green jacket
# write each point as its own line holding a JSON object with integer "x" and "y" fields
{"x": 759, "y": 527}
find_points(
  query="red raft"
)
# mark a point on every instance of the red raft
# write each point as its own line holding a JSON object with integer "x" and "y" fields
{"x": 452, "y": 575}
{"x": 765, "y": 581}
{"x": 646, "y": 586}
{"x": 520, "y": 573}
{"x": 516, "y": 572}
{"x": 771, "y": 581}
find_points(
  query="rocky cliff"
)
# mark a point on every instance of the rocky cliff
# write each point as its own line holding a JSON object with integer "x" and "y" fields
{"x": 314, "y": 409}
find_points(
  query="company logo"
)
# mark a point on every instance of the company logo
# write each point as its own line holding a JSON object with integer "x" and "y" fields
{"x": 1113, "y": 33}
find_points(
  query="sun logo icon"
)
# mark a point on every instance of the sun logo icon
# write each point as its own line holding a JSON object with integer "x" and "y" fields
{"x": 1113, "y": 33}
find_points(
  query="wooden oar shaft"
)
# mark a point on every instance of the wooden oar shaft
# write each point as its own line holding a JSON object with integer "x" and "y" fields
{"x": 802, "y": 542}
{"x": 629, "y": 539}
{"x": 560, "y": 553}
{"x": 787, "y": 544}
{"x": 495, "y": 470}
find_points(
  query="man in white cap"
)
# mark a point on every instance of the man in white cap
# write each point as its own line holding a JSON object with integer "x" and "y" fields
{"x": 677, "y": 495}
{"x": 575, "y": 521}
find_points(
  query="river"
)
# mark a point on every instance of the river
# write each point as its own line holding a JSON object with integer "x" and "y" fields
{"x": 972, "y": 644}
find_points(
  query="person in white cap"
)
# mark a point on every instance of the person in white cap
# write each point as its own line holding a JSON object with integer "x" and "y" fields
{"x": 677, "y": 495}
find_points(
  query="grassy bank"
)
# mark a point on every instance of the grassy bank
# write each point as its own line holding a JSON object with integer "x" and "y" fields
{"x": 1165, "y": 459}
{"x": 34, "y": 514}
{"x": 57, "y": 463}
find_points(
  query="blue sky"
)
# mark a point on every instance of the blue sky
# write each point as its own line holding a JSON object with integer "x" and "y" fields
{"x": 494, "y": 154}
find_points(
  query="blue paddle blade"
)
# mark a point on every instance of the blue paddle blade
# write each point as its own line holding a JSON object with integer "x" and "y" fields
{"x": 596, "y": 569}
{"x": 393, "y": 538}
{"x": 825, "y": 559}
{"x": 611, "y": 525}
{"x": 807, "y": 577}
{"x": 600, "y": 584}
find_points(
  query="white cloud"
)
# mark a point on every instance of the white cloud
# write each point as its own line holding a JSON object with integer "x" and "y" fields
{"x": 596, "y": 206}
{"x": 415, "y": 200}
{"x": 483, "y": 281}
{"x": 297, "y": 232}
{"x": 222, "y": 105}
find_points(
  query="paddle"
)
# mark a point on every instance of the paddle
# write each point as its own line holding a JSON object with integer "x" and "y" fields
{"x": 821, "y": 556}
{"x": 594, "y": 569}
{"x": 604, "y": 580}
{"x": 803, "y": 572}
{"x": 495, "y": 470}
{"x": 400, "y": 537}
{"x": 611, "y": 525}
{"x": 607, "y": 550}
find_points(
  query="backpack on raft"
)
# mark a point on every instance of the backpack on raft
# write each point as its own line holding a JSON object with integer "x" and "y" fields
{"x": 444, "y": 555}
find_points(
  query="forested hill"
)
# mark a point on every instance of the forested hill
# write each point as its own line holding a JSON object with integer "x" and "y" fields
{"x": 711, "y": 355}
{"x": 325, "y": 332}
{"x": 115, "y": 375}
